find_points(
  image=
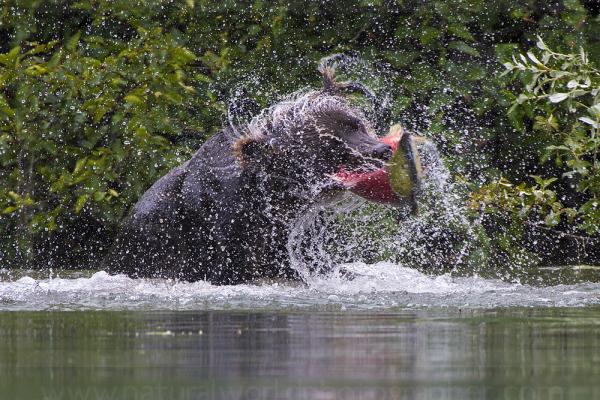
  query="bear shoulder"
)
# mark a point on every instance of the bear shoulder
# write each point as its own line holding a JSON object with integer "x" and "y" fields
{"x": 213, "y": 172}
{"x": 162, "y": 196}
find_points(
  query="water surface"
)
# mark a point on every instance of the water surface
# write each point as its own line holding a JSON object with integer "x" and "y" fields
{"x": 391, "y": 333}
{"x": 549, "y": 353}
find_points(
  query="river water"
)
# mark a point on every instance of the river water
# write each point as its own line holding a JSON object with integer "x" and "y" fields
{"x": 391, "y": 333}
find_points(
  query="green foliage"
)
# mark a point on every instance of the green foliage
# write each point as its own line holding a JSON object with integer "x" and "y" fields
{"x": 562, "y": 94}
{"x": 83, "y": 134}
{"x": 99, "y": 98}
{"x": 518, "y": 201}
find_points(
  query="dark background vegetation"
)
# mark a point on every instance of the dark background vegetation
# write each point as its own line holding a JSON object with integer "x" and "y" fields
{"x": 100, "y": 98}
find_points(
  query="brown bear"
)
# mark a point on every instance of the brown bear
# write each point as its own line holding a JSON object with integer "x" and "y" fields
{"x": 225, "y": 215}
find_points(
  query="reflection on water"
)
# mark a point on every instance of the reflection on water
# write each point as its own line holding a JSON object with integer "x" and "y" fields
{"x": 541, "y": 353}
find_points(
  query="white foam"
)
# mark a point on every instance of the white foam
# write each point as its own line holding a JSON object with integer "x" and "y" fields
{"x": 380, "y": 286}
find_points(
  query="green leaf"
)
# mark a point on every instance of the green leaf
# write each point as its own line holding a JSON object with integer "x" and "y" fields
{"x": 42, "y": 48}
{"x": 543, "y": 183}
{"x": 461, "y": 31}
{"x": 15, "y": 196}
{"x": 35, "y": 70}
{"x": 10, "y": 57}
{"x": 73, "y": 41}
{"x": 10, "y": 209}
{"x": 589, "y": 121}
{"x": 464, "y": 48}
{"x": 428, "y": 35}
{"x": 81, "y": 200}
{"x": 181, "y": 55}
{"x": 504, "y": 51}
{"x": 552, "y": 219}
{"x": 540, "y": 43}
{"x": 133, "y": 99}
{"x": 79, "y": 165}
{"x": 99, "y": 196}
{"x": 533, "y": 58}
{"x": 558, "y": 97}
{"x": 5, "y": 107}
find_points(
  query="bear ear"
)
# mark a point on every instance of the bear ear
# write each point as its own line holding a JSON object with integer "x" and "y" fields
{"x": 250, "y": 150}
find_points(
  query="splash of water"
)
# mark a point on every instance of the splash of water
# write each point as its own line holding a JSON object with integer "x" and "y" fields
{"x": 381, "y": 286}
{"x": 440, "y": 238}
{"x": 314, "y": 244}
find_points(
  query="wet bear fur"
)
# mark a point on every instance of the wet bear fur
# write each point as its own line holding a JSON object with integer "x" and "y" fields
{"x": 225, "y": 215}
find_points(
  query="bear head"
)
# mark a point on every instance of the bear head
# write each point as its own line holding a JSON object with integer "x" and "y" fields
{"x": 310, "y": 136}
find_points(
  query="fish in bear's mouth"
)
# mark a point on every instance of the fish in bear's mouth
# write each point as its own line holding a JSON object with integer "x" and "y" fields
{"x": 393, "y": 182}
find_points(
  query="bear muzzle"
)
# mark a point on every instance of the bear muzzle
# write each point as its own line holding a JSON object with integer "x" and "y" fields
{"x": 382, "y": 151}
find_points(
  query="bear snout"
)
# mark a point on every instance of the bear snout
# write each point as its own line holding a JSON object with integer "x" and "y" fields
{"x": 382, "y": 151}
